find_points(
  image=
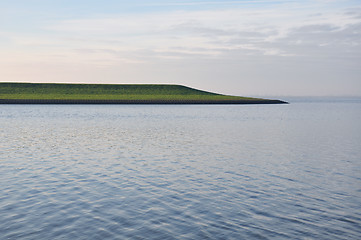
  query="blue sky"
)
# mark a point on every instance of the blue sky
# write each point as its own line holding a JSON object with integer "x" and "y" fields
{"x": 252, "y": 48}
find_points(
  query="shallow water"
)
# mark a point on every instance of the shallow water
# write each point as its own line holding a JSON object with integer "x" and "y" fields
{"x": 181, "y": 171}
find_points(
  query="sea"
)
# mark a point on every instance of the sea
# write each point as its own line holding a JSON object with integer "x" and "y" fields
{"x": 288, "y": 171}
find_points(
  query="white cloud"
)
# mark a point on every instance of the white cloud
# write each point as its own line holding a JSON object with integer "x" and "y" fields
{"x": 211, "y": 29}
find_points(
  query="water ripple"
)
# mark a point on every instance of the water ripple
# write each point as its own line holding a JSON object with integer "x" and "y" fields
{"x": 179, "y": 172}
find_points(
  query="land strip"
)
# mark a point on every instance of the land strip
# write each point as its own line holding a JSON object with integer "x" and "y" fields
{"x": 50, "y": 93}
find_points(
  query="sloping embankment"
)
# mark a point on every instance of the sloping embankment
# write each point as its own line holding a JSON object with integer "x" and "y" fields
{"x": 53, "y": 93}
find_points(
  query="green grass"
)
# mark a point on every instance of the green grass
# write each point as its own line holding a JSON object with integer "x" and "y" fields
{"x": 107, "y": 92}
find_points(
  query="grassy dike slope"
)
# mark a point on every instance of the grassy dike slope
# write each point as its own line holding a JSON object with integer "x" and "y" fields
{"x": 115, "y": 93}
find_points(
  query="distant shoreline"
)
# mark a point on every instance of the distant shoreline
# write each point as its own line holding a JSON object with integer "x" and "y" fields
{"x": 67, "y": 101}
{"x": 53, "y": 93}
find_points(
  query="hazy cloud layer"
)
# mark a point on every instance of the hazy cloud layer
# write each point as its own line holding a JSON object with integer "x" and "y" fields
{"x": 288, "y": 48}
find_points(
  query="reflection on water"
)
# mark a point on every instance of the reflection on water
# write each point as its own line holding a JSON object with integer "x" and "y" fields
{"x": 181, "y": 172}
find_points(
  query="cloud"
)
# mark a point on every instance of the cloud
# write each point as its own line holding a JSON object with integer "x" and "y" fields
{"x": 220, "y": 30}
{"x": 184, "y": 3}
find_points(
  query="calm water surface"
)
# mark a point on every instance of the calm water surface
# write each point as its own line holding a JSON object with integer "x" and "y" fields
{"x": 181, "y": 172}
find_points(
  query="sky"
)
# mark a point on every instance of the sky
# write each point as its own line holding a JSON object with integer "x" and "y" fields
{"x": 244, "y": 48}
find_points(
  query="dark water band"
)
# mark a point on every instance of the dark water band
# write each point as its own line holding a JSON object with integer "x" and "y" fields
{"x": 69, "y": 101}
